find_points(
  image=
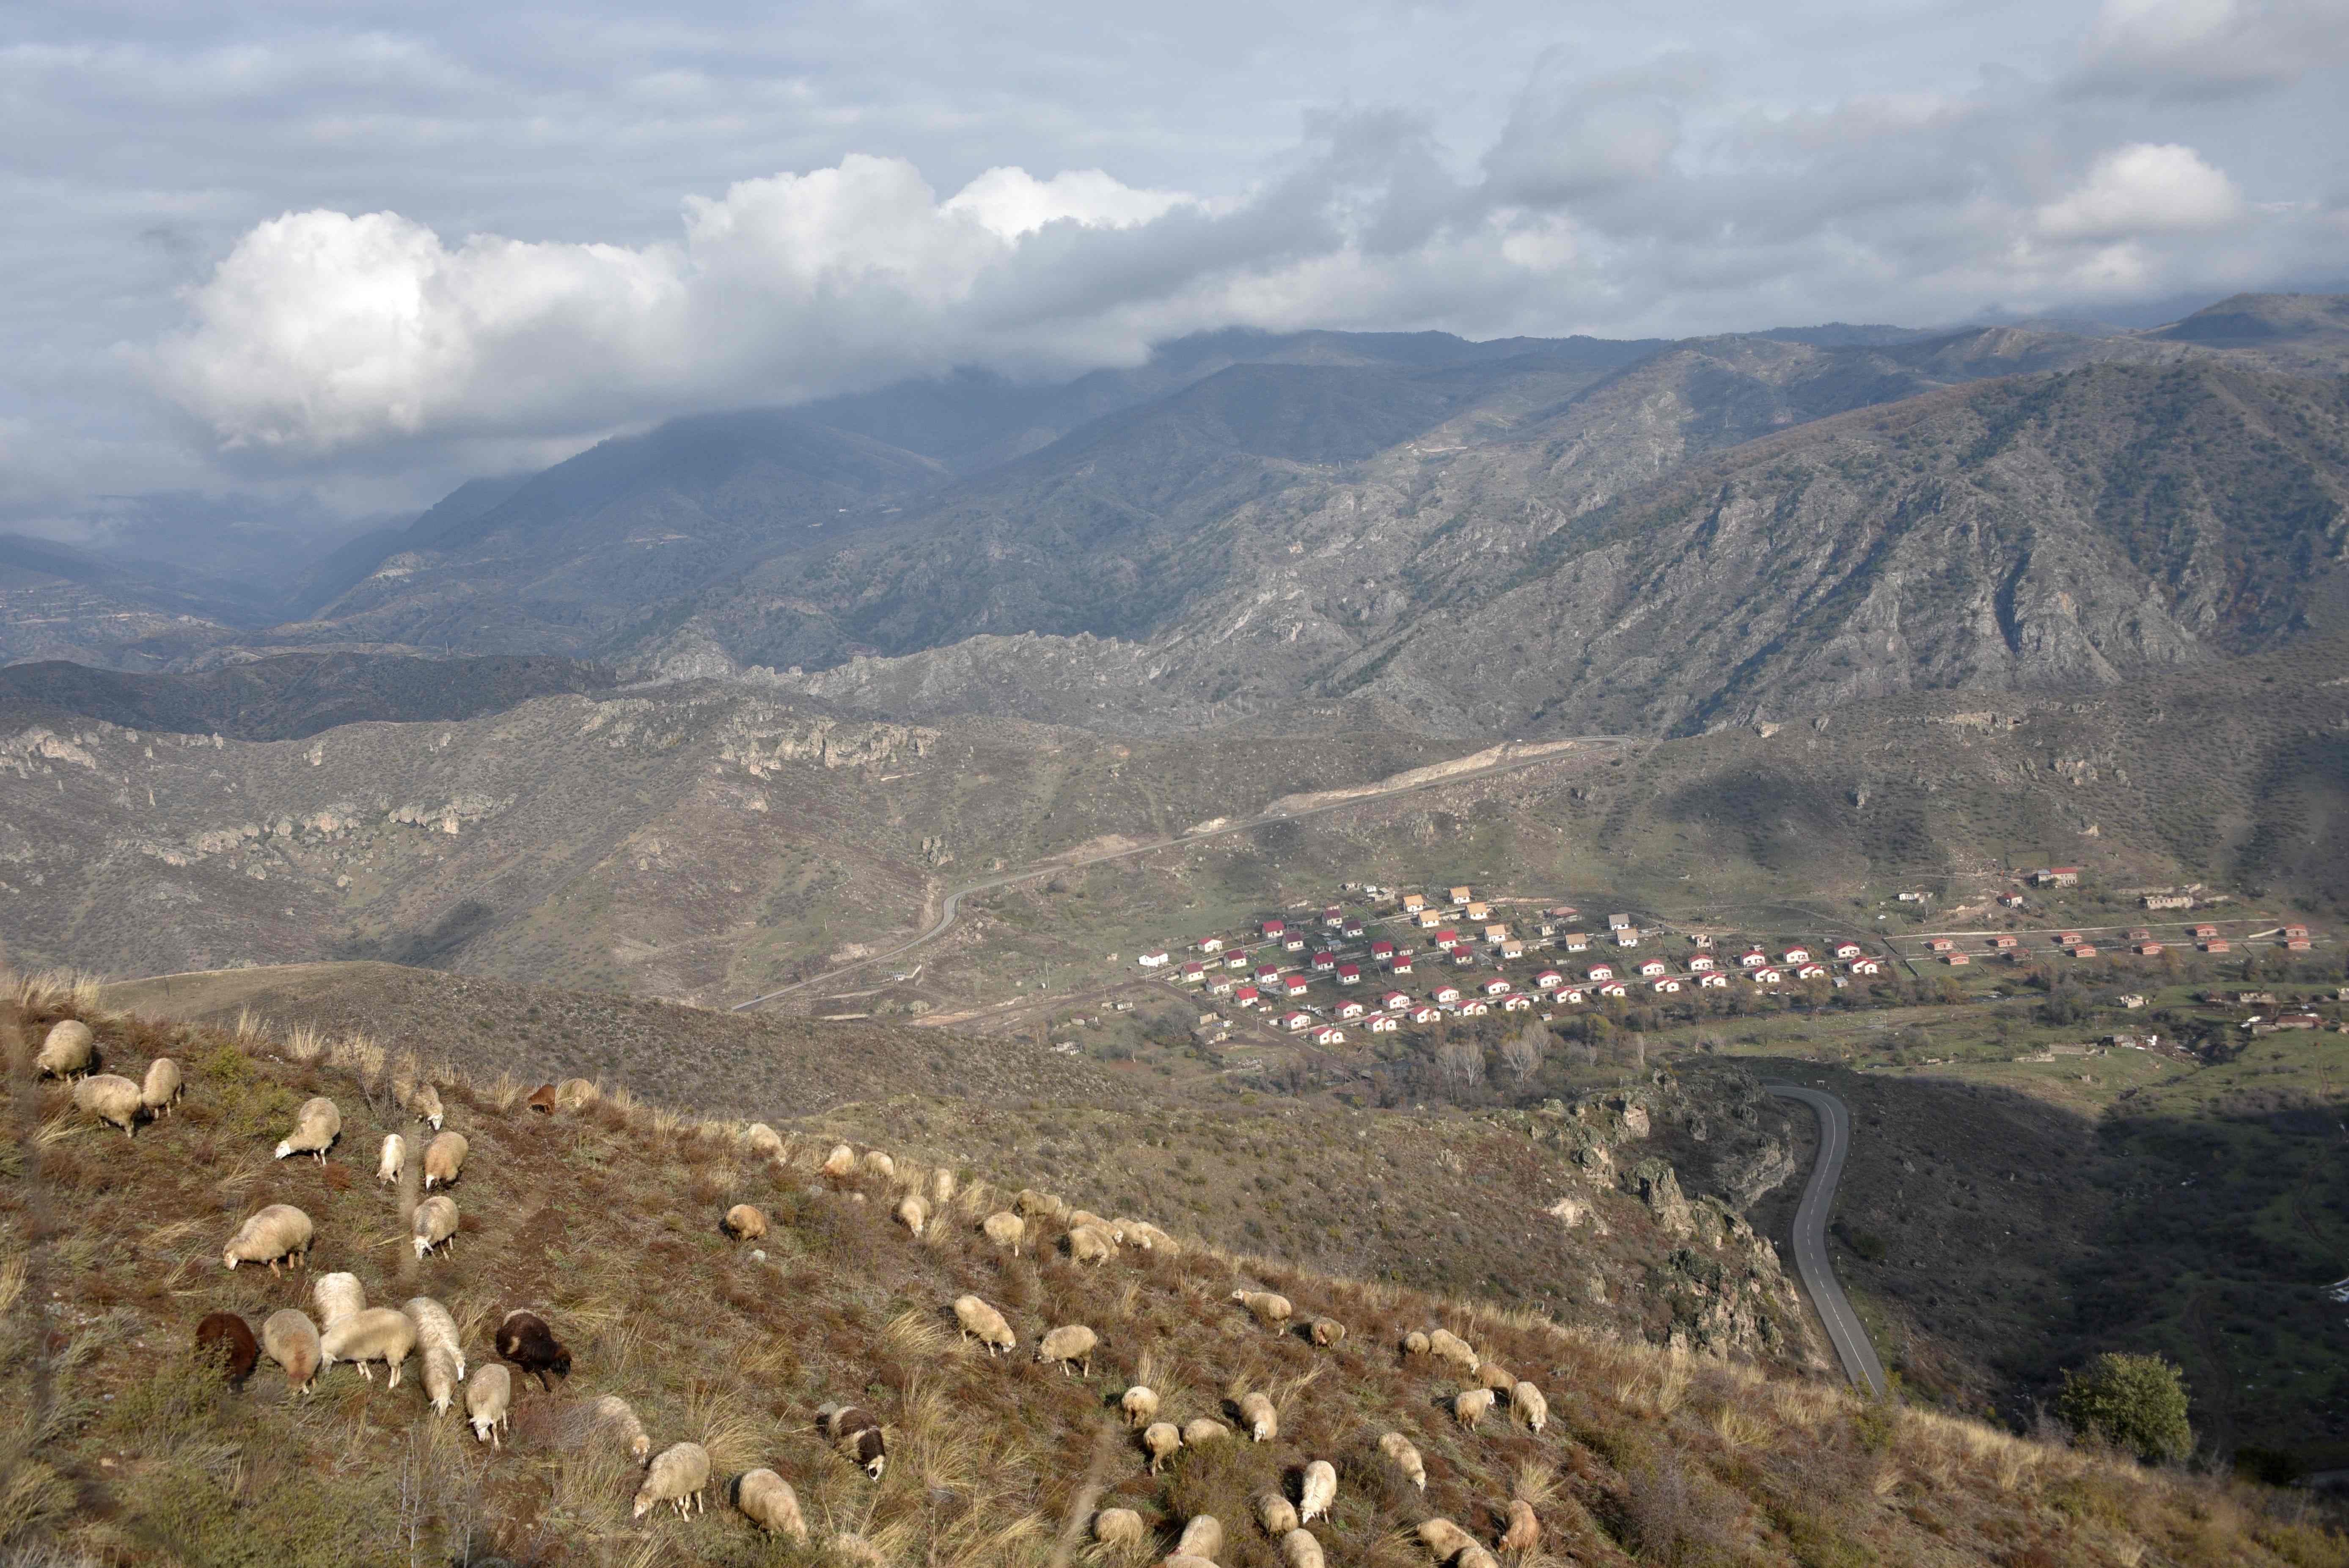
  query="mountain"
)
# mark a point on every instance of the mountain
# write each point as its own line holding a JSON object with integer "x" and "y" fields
{"x": 60, "y": 602}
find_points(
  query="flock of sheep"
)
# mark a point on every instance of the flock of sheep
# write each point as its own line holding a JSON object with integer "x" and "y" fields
{"x": 349, "y": 1330}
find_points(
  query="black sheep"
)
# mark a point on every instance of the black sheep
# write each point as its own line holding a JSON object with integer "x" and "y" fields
{"x": 224, "y": 1339}
{"x": 525, "y": 1339}
{"x": 856, "y": 1435}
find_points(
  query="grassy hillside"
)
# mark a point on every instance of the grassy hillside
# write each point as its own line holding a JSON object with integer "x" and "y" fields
{"x": 122, "y": 1448}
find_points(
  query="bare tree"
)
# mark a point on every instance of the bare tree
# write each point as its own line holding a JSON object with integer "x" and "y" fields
{"x": 1522, "y": 1051}
{"x": 1460, "y": 1062}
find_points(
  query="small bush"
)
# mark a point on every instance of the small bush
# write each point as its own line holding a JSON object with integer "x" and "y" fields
{"x": 2136, "y": 1403}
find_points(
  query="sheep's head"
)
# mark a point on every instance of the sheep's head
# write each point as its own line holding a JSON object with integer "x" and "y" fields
{"x": 423, "y": 1245}
{"x": 875, "y": 1465}
{"x": 228, "y": 1256}
{"x": 285, "y": 1148}
{"x": 640, "y": 1447}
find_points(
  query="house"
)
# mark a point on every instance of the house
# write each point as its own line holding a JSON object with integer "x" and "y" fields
{"x": 1846, "y": 950}
{"x": 1549, "y": 979}
{"x": 1401, "y": 964}
{"x": 1811, "y": 972}
{"x": 2132, "y": 1001}
{"x": 1273, "y": 928}
{"x": 2069, "y": 938}
{"x": 1602, "y": 972}
{"x": 1913, "y": 898}
{"x": 1497, "y": 986}
{"x": 1412, "y": 903}
{"x": 1381, "y": 950}
{"x": 1333, "y": 916}
{"x": 1464, "y": 955}
{"x": 1293, "y": 942}
{"x": 1712, "y": 980}
{"x": 2203, "y": 933}
{"x": 1154, "y": 959}
{"x": 1497, "y": 931}
{"x": 1324, "y": 962}
{"x": 2294, "y": 931}
{"x": 1942, "y": 945}
{"x": 1446, "y": 937}
{"x": 1447, "y": 993}
{"x": 1865, "y": 966}
{"x": 1245, "y": 996}
{"x": 1620, "y": 922}
{"x": 1477, "y": 914}
{"x": 1351, "y": 1010}
{"x": 2005, "y": 943}
{"x": 1512, "y": 949}
{"x": 1517, "y": 1002}
{"x": 2057, "y": 877}
{"x": 1700, "y": 939}
{"x": 1573, "y": 995}
{"x": 2148, "y": 949}
{"x": 1575, "y": 941}
{"x": 1614, "y": 988}
{"x": 1350, "y": 975}
{"x": 1353, "y": 929}
{"x": 1461, "y": 896}
{"x": 2140, "y": 935}
{"x": 1297, "y": 985}
{"x": 1394, "y": 1002}
{"x": 2086, "y": 949}
{"x": 1472, "y": 1008}
{"x": 1766, "y": 976}
{"x": 1428, "y": 918}
{"x": 1753, "y": 960}
{"x": 2011, "y": 901}
{"x": 1664, "y": 986}
{"x": 1704, "y": 963}
{"x": 1236, "y": 960}
{"x": 1651, "y": 968}
{"x": 1796, "y": 955}
{"x": 1219, "y": 986}
{"x": 1956, "y": 961}
{"x": 1211, "y": 944}
{"x": 1293, "y": 1021}
{"x": 1265, "y": 973}
{"x": 1626, "y": 938}
{"x": 2167, "y": 900}
{"x": 1194, "y": 972}
{"x": 1384, "y": 1023}
{"x": 1546, "y": 929}
{"x": 2296, "y": 944}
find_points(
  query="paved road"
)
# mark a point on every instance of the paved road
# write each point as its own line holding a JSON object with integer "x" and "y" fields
{"x": 1850, "y": 1339}
{"x": 953, "y": 905}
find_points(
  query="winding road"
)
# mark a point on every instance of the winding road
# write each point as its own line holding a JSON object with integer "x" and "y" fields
{"x": 1843, "y": 1326}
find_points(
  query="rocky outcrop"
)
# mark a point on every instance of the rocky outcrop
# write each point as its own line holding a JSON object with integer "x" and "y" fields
{"x": 1653, "y": 1182}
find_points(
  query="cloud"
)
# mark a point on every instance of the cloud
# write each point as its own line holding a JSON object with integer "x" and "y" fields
{"x": 2144, "y": 189}
{"x": 2214, "y": 46}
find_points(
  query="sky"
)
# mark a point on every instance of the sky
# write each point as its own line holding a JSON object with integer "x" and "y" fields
{"x": 318, "y": 262}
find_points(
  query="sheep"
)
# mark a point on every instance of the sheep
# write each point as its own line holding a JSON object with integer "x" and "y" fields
{"x": 879, "y": 1164}
{"x": 1090, "y": 1244}
{"x": 112, "y": 1100}
{"x": 573, "y": 1093}
{"x": 765, "y": 1142}
{"x": 1184, "y": 1559}
{"x": 424, "y": 1104}
{"x": 339, "y": 1295}
{"x": 1268, "y": 1309}
{"x": 1070, "y": 1344}
{"x": 393, "y": 1159}
{"x": 984, "y": 1323}
{"x": 1202, "y": 1537}
{"x": 1204, "y": 1430}
{"x": 854, "y": 1550}
{"x": 1415, "y": 1343}
{"x": 857, "y": 1436}
{"x": 68, "y": 1051}
{"x": 1141, "y": 1233}
{"x": 1276, "y": 1513}
{"x": 1315, "y": 1490}
{"x": 745, "y": 1223}
{"x": 1140, "y": 1406}
{"x": 1528, "y": 1402}
{"x": 161, "y": 1091}
{"x": 1497, "y": 1377}
{"x": 227, "y": 1340}
{"x": 1079, "y": 1217}
{"x": 841, "y": 1162}
{"x": 1263, "y": 1420}
{"x": 1455, "y": 1349}
{"x": 1472, "y": 1406}
{"x": 1475, "y": 1557}
{"x": 444, "y": 1158}
{"x": 914, "y": 1214}
{"x": 525, "y": 1339}
{"x": 316, "y": 1125}
{"x": 376, "y": 1333}
{"x": 541, "y": 1100}
{"x": 292, "y": 1341}
{"x": 489, "y": 1398}
{"x": 612, "y": 1414}
{"x": 435, "y": 1225}
{"x": 942, "y": 1188}
{"x": 1299, "y": 1550}
{"x": 1327, "y": 1332}
{"x": 1005, "y": 1228}
{"x": 436, "y": 1341}
{"x": 1119, "y": 1530}
{"x": 677, "y": 1475}
{"x": 767, "y": 1501}
{"x": 280, "y": 1231}
{"x": 1405, "y": 1455}
{"x": 1162, "y": 1439}
{"x": 1525, "y": 1529}
{"x": 1031, "y": 1204}
{"x": 1446, "y": 1541}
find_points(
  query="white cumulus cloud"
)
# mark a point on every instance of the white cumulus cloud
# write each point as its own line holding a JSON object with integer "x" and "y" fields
{"x": 2144, "y": 188}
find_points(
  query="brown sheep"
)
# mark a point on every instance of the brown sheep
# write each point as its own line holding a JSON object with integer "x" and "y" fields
{"x": 227, "y": 1340}
{"x": 744, "y": 1222}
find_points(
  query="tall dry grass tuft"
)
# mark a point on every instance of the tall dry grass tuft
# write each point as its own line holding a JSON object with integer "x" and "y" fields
{"x": 504, "y": 1093}
{"x": 304, "y": 1044}
{"x": 917, "y": 1336}
{"x": 59, "y": 991}
{"x": 730, "y": 1433}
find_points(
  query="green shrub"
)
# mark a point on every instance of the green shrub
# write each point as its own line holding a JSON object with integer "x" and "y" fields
{"x": 2136, "y": 1403}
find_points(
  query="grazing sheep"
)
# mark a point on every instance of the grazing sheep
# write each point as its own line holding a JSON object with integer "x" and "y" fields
{"x": 1263, "y": 1420}
{"x": 1497, "y": 1377}
{"x": 984, "y": 1325}
{"x": 437, "y": 1343}
{"x": 942, "y": 1188}
{"x": 1031, "y": 1204}
{"x": 316, "y": 1125}
{"x": 1204, "y": 1430}
{"x": 573, "y": 1093}
{"x": 541, "y": 1100}
{"x": 1202, "y": 1537}
{"x": 1140, "y": 1406}
{"x": 1446, "y": 1541}
{"x": 1090, "y": 1244}
{"x": 857, "y": 1436}
{"x": 768, "y": 1502}
{"x": 677, "y": 1475}
{"x": 1268, "y": 1309}
{"x": 611, "y": 1414}
{"x": 161, "y": 1090}
{"x": 68, "y": 1050}
{"x": 841, "y": 1161}
{"x": 1525, "y": 1529}
{"x": 1405, "y": 1455}
{"x": 376, "y": 1333}
{"x": 339, "y": 1295}
{"x": 1527, "y": 1403}
{"x": 1276, "y": 1513}
{"x": 440, "y": 1374}
{"x": 227, "y": 1340}
{"x": 1415, "y": 1343}
{"x": 914, "y": 1214}
{"x": 1005, "y": 1228}
{"x": 488, "y": 1396}
{"x": 1327, "y": 1332}
{"x": 1119, "y": 1530}
{"x": 1141, "y": 1233}
{"x": 1082, "y": 1217}
{"x": 280, "y": 1231}
{"x": 1455, "y": 1349}
{"x": 1472, "y": 1406}
{"x": 292, "y": 1341}
{"x": 1163, "y": 1439}
{"x": 1070, "y": 1344}
{"x": 1299, "y": 1550}
{"x": 1475, "y": 1557}
{"x": 854, "y": 1550}
{"x": 112, "y": 1100}
{"x": 766, "y": 1143}
{"x": 879, "y": 1164}
{"x": 745, "y": 1223}
{"x": 444, "y": 1158}
{"x": 1315, "y": 1490}
{"x": 525, "y": 1339}
{"x": 424, "y": 1104}
{"x": 435, "y": 1225}
{"x": 393, "y": 1159}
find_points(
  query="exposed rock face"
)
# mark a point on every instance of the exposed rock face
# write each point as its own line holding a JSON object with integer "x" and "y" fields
{"x": 1653, "y": 1182}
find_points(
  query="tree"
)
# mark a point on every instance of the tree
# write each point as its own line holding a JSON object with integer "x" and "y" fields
{"x": 1460, "y": 1063}
{"x": 1522, "y": 1051}
{"x": 2133, "y": 1402}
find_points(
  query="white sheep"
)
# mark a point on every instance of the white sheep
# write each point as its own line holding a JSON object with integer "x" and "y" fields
{"x": 393, "y": 1159}
{"x": 1526, "y": 1402}
{"x": 339, "y": 1295}
{"x": 1079, "y": 1217}
{"x": 984, "y": 1323}
{"x": 1070, "y": 1344}
{"x": 435, "y": 1225}
{"x": 66, "y": 1051}
{"x": 1415, "y": 1343}
{"x": 1140, "y": 1406}
{"x": 1141, "y": 1233}
{"x": 1449, "y": 1346}
{"x": 280, "y": 1231}
{"x": 444, "y": 1158}
{"x": 879, "y": 1164}
{"x": 679, "y": 1476}
{"x": 745, "y": 1223}
{"x": 942, "y": 1188}
{"x": 1299, "y": 1550}
{"x": 759, "y": 1140}
{"x": 161, "y": 1091}
{"x": 1525, "y": 1530}
{"x": 289, "y": 1338}
{"x": 1163, "y": 1441}
{"x": 489, "y": 1398}
{"x": 1268, "y": 1308}
{"x": 841, "y": 1162}
{"x": 573, "y": 1093}
{"x": 768, "y": 1502}
{"x": 1119, "y": 1530}
{"x": 1475, "y": 1557}
{"x": 1446, "y": 1541}
{"x": 1328, "y": 1332}
{"x": 1263, "y": 1420}
{"x": 1203, "y": 1429}
{"x": 1315, "y": 1490}
{"x": 1090, "y": 1244}
{"x": 112, "y": 1100}
{"x": 436, "y": 1329}
{"x": 1203, "y": 1536}
{"x": 1005, "y": 1228}
{"x": 316, "y": 1125}
{"x": 1276, "y": 1513}
{"x": 1472, "y": 1406}
{"x": 1498, "y": 1378}
{"x": 373, "y": 1333}
{"x": 914, "y": 1214}
{"x": 1032, "y": 1204}
{"x": 1405, "y": 1455}
{"x": 612, "y": 1415}
{"x": 424, "y": 1104}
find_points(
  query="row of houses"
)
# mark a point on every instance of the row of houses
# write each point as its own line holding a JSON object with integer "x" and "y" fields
{"x": 2141, "y": 942}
